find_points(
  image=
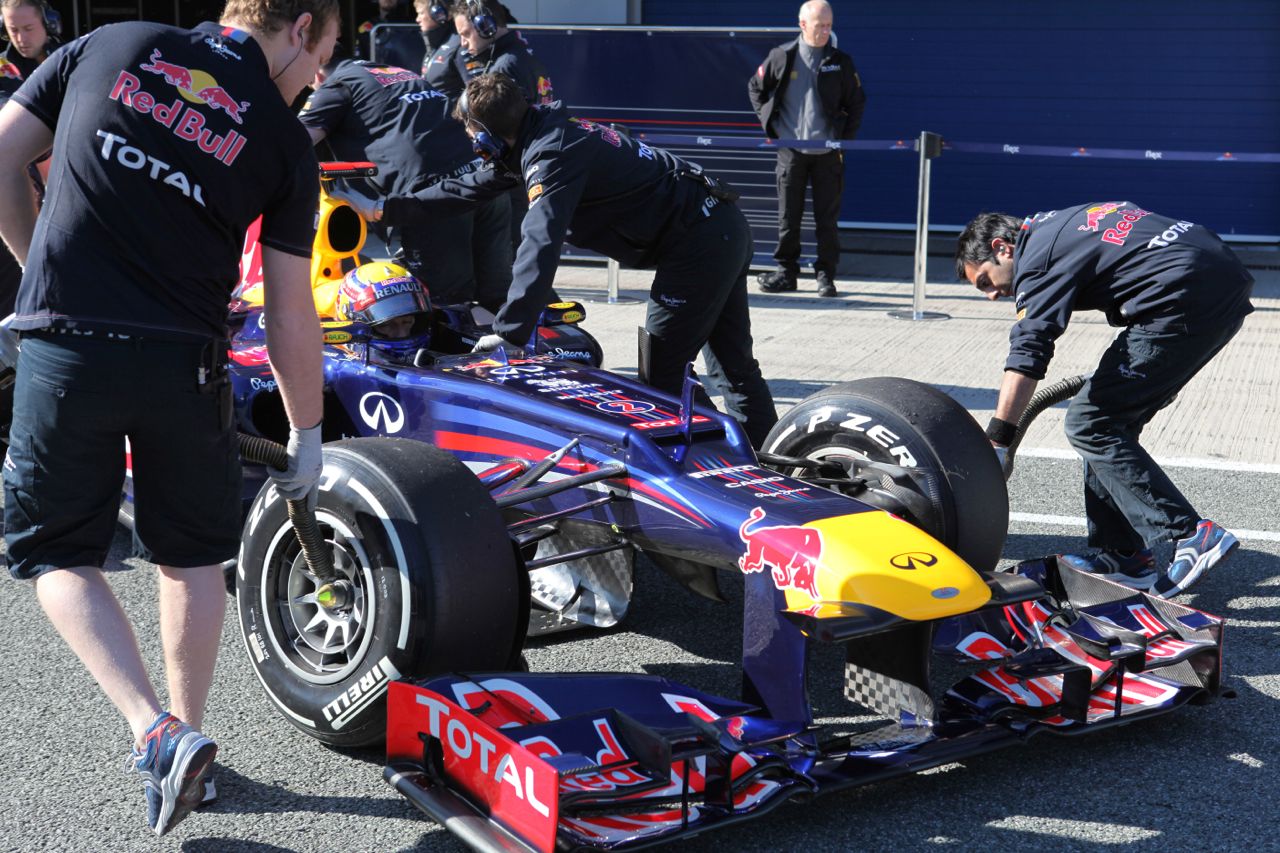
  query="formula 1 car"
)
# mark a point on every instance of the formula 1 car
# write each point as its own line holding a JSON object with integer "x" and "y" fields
{"x": 471, "y": 499}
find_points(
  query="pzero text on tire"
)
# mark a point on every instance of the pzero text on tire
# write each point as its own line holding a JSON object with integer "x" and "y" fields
{"x": 433, "y": 576}
{"x": 910, "y": 425}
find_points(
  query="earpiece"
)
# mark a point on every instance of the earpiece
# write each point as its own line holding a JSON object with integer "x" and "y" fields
{"x": 487, "y": 145}
{"x": 439, "y": 13}
{"x": 482, "y": 19}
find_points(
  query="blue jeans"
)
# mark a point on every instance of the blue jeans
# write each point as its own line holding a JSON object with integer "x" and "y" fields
{"x": 1129, "y": 501}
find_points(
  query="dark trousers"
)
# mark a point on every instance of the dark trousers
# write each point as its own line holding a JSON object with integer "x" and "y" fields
{"x": 460, "y": 257}
{"x": 698, "y": 301}
{"x": 1129, "y": 501}
{"x": 796, "y": 173}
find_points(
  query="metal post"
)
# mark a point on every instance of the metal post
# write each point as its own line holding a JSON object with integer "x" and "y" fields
{"x": 614, "y": 277}
{"x": 929, "y": 145}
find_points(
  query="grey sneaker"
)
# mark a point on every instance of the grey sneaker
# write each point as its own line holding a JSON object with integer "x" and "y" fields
{"x": 825, "y": 285}
{"x": 1194, "y": 556}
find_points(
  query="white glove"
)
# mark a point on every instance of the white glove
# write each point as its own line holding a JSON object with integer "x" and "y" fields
{"x": 369, "y": 209}
{"x": 302, "y": 478}
{"x": 489, "y": 343}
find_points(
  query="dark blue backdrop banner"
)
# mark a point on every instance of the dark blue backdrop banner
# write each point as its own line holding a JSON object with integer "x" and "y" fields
{"x": 1043, "y": 110}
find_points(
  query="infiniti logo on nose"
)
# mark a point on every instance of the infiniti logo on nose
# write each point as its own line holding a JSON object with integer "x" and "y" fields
{"x": 913, "y": 560}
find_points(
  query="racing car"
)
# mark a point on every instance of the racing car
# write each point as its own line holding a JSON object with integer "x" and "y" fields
{"x": 471, "y": 499}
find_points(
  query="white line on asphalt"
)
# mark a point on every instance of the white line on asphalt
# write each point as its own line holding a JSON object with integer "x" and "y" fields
{"x": 1170, "y": 462}
{"x": 1075, "y": 521}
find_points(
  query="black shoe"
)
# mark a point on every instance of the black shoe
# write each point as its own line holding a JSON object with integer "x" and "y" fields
{"x": 776, "y": 282}
{"x": 825, "y": 287}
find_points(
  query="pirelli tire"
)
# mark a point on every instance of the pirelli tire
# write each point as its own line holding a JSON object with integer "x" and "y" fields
{"x": 911, "y": 425}
{"x": 435, "y": 585}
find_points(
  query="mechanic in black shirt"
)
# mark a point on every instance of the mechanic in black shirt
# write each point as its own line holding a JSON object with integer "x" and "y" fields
{"x": 391, "y": 117}
{"x": 169, "y": 143}
{"x": 32, "y": 28}
{"x": 605, "y": 192}
{"x": 490, "y": 47}
{"x": 440, "y": 38}
{"x": 1180, "y": 295}
{"x": 367, "y": 39}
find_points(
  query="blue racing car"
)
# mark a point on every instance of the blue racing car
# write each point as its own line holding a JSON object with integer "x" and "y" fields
{"x": 470, "y": 500}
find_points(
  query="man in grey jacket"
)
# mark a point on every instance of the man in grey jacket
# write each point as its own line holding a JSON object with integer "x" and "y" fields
{"x": 808, "y": 90}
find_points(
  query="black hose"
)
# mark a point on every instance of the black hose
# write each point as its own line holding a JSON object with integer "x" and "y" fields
{"x": 264, "y": 451}
{"x": 1063, "y": 389}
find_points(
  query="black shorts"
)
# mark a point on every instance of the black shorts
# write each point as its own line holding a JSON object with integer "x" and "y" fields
{"x": 76, "y": 401}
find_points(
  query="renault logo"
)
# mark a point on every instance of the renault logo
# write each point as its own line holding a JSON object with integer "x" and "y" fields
{"x": 913, "y": 560}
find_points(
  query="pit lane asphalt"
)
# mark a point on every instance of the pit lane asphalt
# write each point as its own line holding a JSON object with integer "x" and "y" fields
{"x": 1198, "y": 779}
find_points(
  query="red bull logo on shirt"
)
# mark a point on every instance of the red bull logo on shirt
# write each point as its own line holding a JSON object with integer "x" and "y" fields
{"x": 793, "y": 554}
{"x": 9, "y": 70}
{"x": 186, "y": 122}
{"x": 1094, "y": 215}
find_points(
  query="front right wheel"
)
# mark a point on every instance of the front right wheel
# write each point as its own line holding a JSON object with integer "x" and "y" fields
{"x": 432, "y": 580}
{"x": 905, "y": 446}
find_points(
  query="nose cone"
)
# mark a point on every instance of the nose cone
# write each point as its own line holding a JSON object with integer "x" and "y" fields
{"x": 877, "y": 559}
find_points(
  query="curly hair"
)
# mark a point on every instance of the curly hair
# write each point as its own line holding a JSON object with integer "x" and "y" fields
{"x": 270, "y": 16}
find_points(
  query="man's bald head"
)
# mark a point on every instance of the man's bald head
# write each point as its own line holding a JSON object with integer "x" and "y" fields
{"x": 816, "y": 19}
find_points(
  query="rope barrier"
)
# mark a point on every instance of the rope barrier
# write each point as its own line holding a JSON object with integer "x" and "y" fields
{"x": 757, "y": 143}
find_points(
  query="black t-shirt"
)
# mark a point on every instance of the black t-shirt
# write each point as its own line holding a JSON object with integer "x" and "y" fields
{"x": 168, "y": 143}
{"x": 1138, "y": 267}
{"x": 441, "y": 69}
{"x": 391, "y": 117}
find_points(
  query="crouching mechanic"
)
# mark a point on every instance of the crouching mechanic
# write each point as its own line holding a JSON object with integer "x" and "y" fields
{"x": 602, "y": 191}
{"x": 122, "y": 312}
{"x": 390, "y": 116}
{"x": 1180, "y": 295}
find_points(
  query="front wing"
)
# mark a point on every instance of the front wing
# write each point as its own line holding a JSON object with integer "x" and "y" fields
{"x": 540, "y": 762}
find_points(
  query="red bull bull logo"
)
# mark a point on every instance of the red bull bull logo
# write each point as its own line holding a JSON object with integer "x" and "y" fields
{"x": 217, "y": 97}
{"x": 545, "y": 95}
{"x": 1093, "y": 216}
{"x": 792, "y": 554}
{"x": 196, "y": 86}
{"x": 9, "y": 71}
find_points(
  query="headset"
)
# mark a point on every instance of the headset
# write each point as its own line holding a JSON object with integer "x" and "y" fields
{"x": 439, "y": 13}
{"x": 482, "y": 19}
{"x": 49, "y": 17}
{"x": 487, "y": 145}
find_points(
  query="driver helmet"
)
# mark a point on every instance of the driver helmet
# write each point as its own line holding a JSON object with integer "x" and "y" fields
{"x": 392, "y": 304}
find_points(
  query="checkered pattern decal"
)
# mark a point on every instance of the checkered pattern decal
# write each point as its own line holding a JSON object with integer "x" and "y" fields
{"x": 895, "y": 699}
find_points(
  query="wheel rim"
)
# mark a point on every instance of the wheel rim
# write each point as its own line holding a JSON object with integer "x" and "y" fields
{"x": 315, "y": 644}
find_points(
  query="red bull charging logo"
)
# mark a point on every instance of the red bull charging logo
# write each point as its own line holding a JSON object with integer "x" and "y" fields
{"x": 196, "y": 86}
{"x": 792, "y": 554}
{"x": 1094, "y": 215}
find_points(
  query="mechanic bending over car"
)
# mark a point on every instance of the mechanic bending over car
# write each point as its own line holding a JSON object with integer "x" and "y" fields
{"x": 122, "y": 313}
{"x": 1180, "y": 295}
{"x": 607, "y": 193}
{"x": 391, "y": 117}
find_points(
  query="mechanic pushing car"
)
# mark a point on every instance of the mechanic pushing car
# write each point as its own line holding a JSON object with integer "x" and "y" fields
{"x": 393, "y": 118}
{"x": 605, "y": 192}
{"x": 170, "y": 142}
{"x": 1180, "y": 295}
